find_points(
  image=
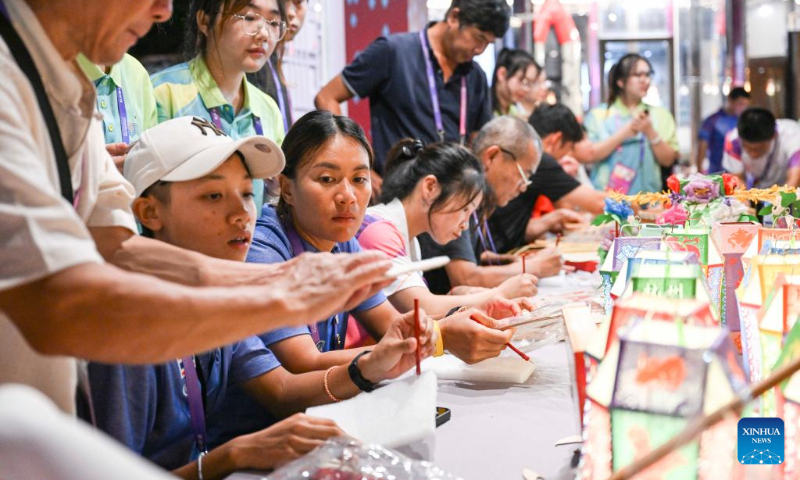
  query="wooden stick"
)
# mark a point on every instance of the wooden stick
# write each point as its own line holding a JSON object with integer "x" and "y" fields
{"x": 698, "y": 426}
{"x": 516, "y": 350}
{"x": 417, "y": 332}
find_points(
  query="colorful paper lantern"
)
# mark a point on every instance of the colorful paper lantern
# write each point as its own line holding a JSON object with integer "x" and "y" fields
{"x": 668, "y": 280}
{"x": 693, "y": 239}
{"x": 648, "y": 257}
{"x": 761, "y": 274}
{"x": 650, "y": 385}
{"x": 622, "y": 249}
{"x": 731, "y": 241}
{"x": 788, "y": 401}
{"x": 776, "y": 317}
{"x": 639, "y": 306}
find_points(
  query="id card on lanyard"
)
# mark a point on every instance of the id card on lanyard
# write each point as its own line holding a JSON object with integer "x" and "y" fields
{"x": 298, "y": 249}
{"x": 197, "y": 411}
{"x": 622, "y": 176}
{"x": 481, "y": 226}
{"x": 437, "y": 112}
{"x": 123, "y": 117}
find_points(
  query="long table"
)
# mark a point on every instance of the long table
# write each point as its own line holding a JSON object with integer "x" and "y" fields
{"x": 497, "y": 431}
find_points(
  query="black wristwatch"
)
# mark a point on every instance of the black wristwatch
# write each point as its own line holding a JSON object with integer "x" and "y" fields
{"x": 355, "y": 374}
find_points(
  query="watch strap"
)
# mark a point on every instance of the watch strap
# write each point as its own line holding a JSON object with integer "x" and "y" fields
{"x": 355, "y": 375}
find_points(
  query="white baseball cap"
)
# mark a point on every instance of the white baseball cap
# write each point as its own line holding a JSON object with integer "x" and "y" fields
{"x": 188, "y": 148}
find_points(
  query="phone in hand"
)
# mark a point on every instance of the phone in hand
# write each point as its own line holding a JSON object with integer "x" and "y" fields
{"x": 442, "y": 415}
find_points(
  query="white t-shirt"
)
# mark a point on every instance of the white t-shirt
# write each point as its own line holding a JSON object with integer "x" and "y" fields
{"x": 386, "y": 230}
{"x": 40, "y": 233}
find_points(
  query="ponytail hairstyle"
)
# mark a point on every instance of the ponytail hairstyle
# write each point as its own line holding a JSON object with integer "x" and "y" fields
{"x": 312, "y": 133}
{"x": 621, "y": 71}
{"x": 514, "y": 61}
{"x": 458, "y": 171}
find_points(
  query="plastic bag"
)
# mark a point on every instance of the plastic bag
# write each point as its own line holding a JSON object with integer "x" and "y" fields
{"x": 343, "y": 458}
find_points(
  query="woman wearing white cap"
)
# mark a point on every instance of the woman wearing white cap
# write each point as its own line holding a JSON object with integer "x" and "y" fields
{"x": 194, "y": 187}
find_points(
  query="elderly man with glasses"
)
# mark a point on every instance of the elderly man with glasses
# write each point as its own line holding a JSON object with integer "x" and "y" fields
{"x": 511, "y": 151}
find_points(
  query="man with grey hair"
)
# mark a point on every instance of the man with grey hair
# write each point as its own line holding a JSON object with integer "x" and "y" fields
{"x": 510, "y": 150}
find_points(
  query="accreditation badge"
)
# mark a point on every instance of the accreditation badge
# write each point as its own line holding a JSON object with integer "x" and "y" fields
{"x": 621, "y": 179}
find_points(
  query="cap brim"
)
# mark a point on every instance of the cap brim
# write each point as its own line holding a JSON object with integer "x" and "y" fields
{"x": 263, "y": 157}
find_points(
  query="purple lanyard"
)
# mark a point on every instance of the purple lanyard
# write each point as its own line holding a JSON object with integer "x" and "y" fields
{"x": 281, "y": 103}
{"x": 4, "y": 10}
{"x": 217, "y": 121}
{"x": 298, "y": 249}
{"x": 640, "y": 136}
{"x": 196, "y": 409}
{"x": 123, "y": 117}
{"x": 437, "y": 113}
{"x": 480, "y": 227}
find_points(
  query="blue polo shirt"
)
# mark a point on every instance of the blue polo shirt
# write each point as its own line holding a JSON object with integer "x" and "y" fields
{"x": 240, "y": 414}
{"x": 713, "y": 131}
{"x": 146, "y": 408}
{"x": 271, "y": 245}
{"x": 391, "y": 73}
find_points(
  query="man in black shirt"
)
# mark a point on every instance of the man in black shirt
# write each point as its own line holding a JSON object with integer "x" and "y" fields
{"x": 396, "y": 72}
{"x": 510, "y": 151}
{"x": 512, "y": 225}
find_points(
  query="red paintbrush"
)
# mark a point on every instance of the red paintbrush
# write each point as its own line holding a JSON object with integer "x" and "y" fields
{"x": 417, "y": 332}
{"x": 512, "y": 347}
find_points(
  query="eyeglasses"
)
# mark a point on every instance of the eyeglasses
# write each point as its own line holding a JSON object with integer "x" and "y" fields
{"x": 252, "y": 23}
{"x": 524, "y": 180}
{"x": 643, "y": 75}
{"x": 528, "y": 84}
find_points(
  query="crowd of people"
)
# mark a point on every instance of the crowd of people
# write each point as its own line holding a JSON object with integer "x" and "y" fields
{"x": 218, "y": 266}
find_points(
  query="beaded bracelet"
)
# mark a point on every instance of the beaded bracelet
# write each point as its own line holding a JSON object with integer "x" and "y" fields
{"x": 327, "y": 388}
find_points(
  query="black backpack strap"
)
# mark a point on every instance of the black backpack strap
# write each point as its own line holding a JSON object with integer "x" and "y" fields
{"x": 25, "y": 62}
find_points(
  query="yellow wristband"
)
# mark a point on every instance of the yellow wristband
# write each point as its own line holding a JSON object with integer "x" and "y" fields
{"x": 439, "y": 340}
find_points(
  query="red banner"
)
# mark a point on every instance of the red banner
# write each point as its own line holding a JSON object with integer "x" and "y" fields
{"x": 366, "y": 20}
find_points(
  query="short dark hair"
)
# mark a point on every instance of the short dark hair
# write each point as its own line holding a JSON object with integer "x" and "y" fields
{"x": 458, "y": 171}
{"x": 738, "y": 92}
{"x": 311, "y": 133}
{"x": 491, "y": 16}
{"x": 161, "y": 191}
{"x": 514, "y": 61}
{"x": 756, "y": 124}
{"x": 547, "y": 119}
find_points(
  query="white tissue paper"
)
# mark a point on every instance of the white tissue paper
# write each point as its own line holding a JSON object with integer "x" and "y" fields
{"x": 495, "y": 370}
{"x": 398, "y": 414}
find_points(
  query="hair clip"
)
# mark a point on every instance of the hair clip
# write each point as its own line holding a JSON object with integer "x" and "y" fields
{"x": 411, "y": 151}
